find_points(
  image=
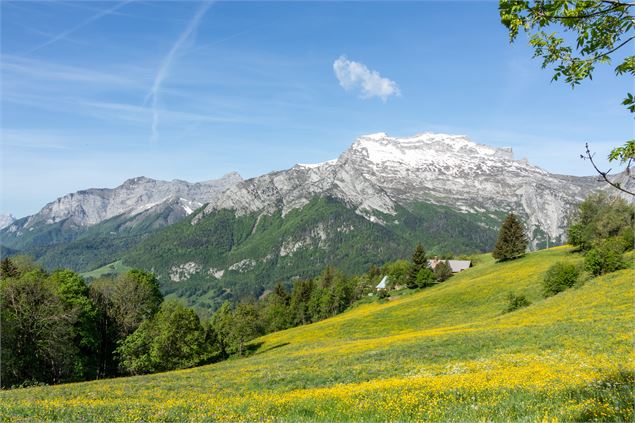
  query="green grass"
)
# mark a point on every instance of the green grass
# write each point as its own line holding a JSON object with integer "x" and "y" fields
{"x": 114, "y": 268}
{"x": 445, "y": 353}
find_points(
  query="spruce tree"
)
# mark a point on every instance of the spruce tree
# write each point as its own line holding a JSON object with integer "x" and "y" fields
{"x": 419, "y": 261}
{"x": 512, "y": 241}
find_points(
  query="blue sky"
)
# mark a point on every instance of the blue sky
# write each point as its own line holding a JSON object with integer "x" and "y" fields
{"x": 96, "y": 92}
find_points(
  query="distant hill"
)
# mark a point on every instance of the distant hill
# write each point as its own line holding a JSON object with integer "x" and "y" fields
{"x": 448, "y": 353}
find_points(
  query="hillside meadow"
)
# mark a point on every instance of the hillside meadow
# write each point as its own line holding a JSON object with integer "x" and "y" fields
{"x": 445, "y": 353}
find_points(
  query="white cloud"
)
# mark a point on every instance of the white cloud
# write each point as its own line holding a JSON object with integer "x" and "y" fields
{"x": 354, "y": 75}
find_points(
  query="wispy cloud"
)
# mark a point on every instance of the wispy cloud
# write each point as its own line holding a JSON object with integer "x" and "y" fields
{"x": 22, "y": 69}
{"x": 81, "y": 25}
{"x": 164, "y": 69}
{"x": 356, "y": 76}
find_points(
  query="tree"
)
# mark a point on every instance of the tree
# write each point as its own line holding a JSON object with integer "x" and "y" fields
{"x": 135, "y": 297}
{"x": 172, "y": 339}
{"x": 245, "y": 326}
{"x": 275, "y": 309}
{"x": 37, "y": 331}
{"x": 73, "y": 292}
{"x": 442, "y": 271}
{"x": 221, "y": 324}
{"x": 7, "y": 269}
{"x": 601, "y": 216}
{"x": 299, "y": 303}
{"x": 512, "y": 241}
{"x": 100, "y": 292}
{"x": 419, "y": 262}
{"x": 600, "y": 28}
{"x": 397, "y": 272}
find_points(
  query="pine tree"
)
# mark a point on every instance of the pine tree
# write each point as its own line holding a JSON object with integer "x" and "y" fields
{"x": 512, "y": 241}
{"x": 419, "y": 261}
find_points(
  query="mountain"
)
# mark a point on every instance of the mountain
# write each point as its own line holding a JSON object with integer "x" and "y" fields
{"x": 6, "y": 220}
{"x": 447, "y": 353}
{"x": 379, "y": 172}
{"x": 233, "y": 238}
{"x": 83, "y": 230}
{"x": 373, "y": 203}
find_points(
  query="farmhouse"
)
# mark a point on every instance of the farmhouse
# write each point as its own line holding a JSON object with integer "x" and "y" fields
{"x": 455, "y": 265}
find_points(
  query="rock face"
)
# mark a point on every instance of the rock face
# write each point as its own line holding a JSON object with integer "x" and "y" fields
{"x": 379, "y": 171}
{"x": 6, "y": 220}
{"x": 135, "y": 198}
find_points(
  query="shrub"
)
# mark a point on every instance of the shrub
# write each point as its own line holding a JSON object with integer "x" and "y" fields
{"x": 425, "y": 278}
{"x": 514, "y": 302}
{"x": 559, "y": 277}
{"x": 605, "y": 256}
{"x": 383, "y": 294}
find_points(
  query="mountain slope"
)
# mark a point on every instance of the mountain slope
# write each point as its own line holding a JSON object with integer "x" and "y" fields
{"x": 225, "y": 255}
{"x": 446, "y": 353}
{"x": 90, "y": 228}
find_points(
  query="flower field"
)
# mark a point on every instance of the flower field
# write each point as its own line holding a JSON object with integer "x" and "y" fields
{"x": 446, "y": 353}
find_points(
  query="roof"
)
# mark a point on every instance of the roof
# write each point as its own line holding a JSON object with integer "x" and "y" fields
{"x": 455, "y": 265}
{"x": 382, "y": 284}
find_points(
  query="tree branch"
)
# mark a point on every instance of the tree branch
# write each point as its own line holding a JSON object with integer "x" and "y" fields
{"x": 604, "y": 174}
{"x": 590, "y": 15}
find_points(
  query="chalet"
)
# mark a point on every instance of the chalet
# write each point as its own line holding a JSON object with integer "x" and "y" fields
{"x": 455, "y": 265}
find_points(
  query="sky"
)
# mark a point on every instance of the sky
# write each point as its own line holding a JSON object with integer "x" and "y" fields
{"x": 93, "y": 93}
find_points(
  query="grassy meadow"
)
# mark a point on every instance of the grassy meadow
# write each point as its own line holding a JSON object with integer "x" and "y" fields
{"x": 445, "y": 353}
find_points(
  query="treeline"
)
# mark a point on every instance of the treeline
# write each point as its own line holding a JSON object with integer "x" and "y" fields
{"x": 56, "y": 328}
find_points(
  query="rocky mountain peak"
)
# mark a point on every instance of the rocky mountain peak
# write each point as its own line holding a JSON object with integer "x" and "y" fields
{"x": 426, "y": 147}
{"x": 6, "y": 220}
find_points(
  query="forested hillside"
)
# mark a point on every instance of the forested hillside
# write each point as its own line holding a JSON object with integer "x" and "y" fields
{"x": 228, "y": 256}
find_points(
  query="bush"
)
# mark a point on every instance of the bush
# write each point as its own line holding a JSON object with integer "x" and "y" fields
{"x": 559, "y": 277}
{"x": 425, "y": 278}
{"x": 514, "y": 302}
{"x": 605, "y": 256}
{"x": 383, "y": 294}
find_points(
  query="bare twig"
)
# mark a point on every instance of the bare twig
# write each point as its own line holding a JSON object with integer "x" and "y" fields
{"x": 604, "y": 175}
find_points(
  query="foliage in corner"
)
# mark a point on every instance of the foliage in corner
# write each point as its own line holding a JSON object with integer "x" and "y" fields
{"x": 600, "y": 28}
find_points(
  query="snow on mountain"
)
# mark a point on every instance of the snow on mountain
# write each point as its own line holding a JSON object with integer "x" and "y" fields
{"x": 379, "y": 172}
{"x": 6, "y": 220}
